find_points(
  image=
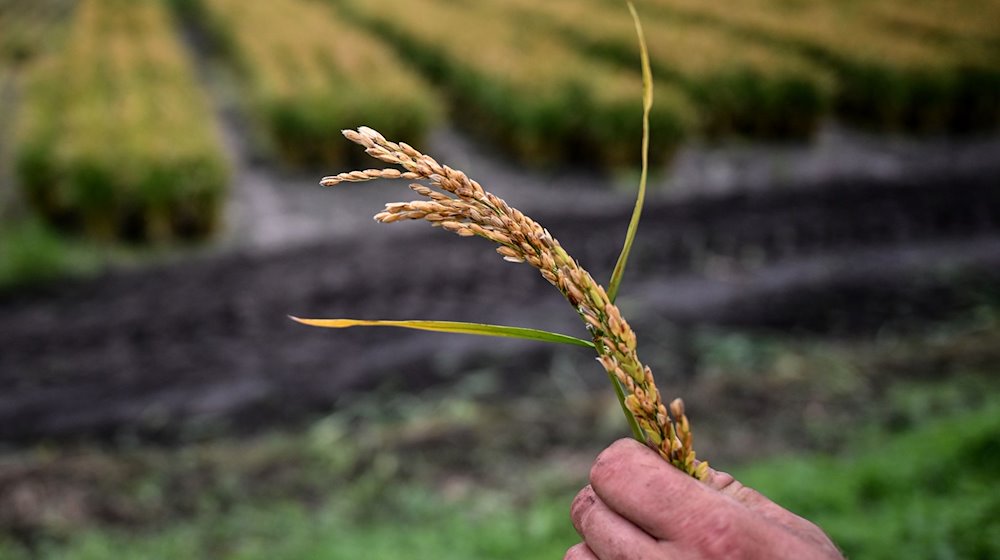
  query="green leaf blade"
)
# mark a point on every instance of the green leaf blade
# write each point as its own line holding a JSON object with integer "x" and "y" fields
{"x": 647, "y": 106}
{"x": 454, "y": 327}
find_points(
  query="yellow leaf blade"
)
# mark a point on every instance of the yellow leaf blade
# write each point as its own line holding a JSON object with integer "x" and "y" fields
{"x": 455, "y": 327}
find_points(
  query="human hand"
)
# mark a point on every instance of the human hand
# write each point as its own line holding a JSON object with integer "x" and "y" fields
{"x": 639, "y": 507}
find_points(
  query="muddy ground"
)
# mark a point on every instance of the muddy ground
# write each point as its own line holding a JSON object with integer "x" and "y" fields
{"x": 208, "y": 341}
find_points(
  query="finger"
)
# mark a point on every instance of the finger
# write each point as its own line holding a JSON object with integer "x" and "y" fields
{"x": 668, "y": 504}
{"x": 694, "y": 518}
{"x": 761, "y": 505}
{"x": 755, "y": 501}
{"x": 607, "y": 534}
{"x": 580, "y": 552}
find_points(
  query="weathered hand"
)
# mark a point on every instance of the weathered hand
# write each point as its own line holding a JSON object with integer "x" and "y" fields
{"x": 639, "y": 507}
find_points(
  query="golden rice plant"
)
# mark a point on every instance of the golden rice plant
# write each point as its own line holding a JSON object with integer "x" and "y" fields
{"x": 531, "y": 93}
{"x": 309, "y": 73}
{"x": 740, "y": 85}
{"x": 455, "y": 203}
{"x": 886, "y": 78}
{"x": 114, "y": 136}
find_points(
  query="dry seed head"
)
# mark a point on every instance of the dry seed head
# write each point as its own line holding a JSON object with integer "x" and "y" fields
{"x": 521, "y": 239}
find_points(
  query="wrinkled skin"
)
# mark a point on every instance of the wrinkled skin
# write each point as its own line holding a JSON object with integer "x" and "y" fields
{"x": 639, "y": 507}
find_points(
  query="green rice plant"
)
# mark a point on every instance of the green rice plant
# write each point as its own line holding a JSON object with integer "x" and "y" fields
{"x": 114, "y": 136}
{"x": 740, "y": 86}
{"x": 530, "y": 93}
{"x": 458, "y": 204}
{"x": 885, "y": 79}
{"x": 308, "y": 73}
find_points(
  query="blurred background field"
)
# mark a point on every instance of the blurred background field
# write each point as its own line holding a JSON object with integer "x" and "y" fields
{"x": 817, "y": 273}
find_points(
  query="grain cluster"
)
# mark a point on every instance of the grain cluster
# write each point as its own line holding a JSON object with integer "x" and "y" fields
{"x": 458, "y": 204}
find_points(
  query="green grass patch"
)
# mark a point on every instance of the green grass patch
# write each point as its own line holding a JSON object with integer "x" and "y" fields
{"x": 928, "y": 494}
{"x": 423, "y": 527}
{"x": 31, "y": 252}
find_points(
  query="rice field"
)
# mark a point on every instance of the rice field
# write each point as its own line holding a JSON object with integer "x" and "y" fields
{"x": 530, "y": 93}
{"x": 309, "y": 74}
{"x": 741, "y": 87}
{"x": 889, "y": 76}
{"x": 115, "y": 135}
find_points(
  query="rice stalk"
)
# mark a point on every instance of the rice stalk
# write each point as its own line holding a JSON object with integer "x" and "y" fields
{"x": 458, "y": 204}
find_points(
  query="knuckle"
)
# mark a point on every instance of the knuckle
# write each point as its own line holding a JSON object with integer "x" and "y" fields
{"x": 722, "y": 481}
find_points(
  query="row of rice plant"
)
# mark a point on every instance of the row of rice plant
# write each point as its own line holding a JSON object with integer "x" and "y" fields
{"x": 530, "y": 93}
{"x": 309, "y": 74}
{"x": 967, "y": 32}
{"x": 887, "y": 78}
{"x": 114, "y": 135}
{"x": 741, "y": 86}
